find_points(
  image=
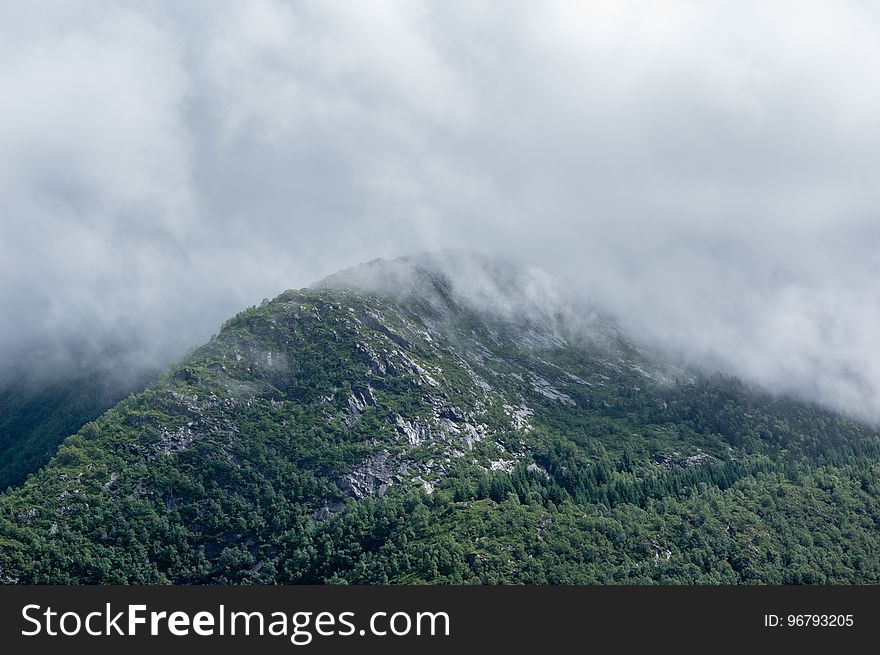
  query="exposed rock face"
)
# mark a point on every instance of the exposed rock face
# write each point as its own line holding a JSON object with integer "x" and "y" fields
{"x": 677, "y": 459}
{"x": 374, "y": 476}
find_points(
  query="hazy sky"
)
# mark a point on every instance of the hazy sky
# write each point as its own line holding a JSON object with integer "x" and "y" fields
{"x": 707, "y": 170}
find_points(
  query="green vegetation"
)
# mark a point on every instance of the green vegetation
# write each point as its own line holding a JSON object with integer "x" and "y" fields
{"x": 334, "y": 437}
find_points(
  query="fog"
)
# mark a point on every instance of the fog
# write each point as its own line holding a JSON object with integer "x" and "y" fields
{"x": 708, "y": 172}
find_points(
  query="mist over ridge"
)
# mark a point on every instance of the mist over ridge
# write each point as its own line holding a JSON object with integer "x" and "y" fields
{"x": 164, "y": 166}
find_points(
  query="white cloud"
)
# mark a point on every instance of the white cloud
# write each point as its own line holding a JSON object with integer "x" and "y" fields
{"x": 707, "y": 170}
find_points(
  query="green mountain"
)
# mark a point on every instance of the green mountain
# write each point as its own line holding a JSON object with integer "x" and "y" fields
{"x": 446, "y": 419}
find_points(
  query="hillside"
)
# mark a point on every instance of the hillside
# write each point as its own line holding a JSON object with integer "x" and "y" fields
{"x": 446, "y": 419}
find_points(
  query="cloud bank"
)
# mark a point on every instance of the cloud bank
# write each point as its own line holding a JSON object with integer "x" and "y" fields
{"x": 706, "y": 171}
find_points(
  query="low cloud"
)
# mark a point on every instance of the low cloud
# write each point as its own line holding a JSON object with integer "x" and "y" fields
{"x": 706, "y": 171}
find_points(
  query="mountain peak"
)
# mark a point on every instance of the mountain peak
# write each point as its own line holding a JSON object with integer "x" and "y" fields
{"x": 524, "y": 301}
{"x": 465, "y": 276}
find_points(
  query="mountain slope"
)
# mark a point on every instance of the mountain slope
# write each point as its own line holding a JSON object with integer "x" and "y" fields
{"x": 446, "y": 419}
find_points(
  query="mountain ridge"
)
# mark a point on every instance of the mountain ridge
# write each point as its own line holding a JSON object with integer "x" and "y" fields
{"x": 349, "y": 432}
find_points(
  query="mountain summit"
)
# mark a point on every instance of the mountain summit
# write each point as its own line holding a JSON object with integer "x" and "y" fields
{"x": 445, "y": 418}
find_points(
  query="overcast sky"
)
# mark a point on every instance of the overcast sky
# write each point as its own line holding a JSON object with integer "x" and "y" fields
{"x": 707, "y": 170}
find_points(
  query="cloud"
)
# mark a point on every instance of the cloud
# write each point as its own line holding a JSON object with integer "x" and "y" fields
{"x": 95, "y": 169}
{"x": 707, "y": 171}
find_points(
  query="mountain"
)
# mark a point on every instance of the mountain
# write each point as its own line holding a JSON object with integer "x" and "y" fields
{"x": 446, "y": 418}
